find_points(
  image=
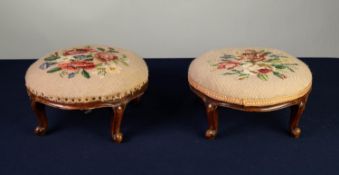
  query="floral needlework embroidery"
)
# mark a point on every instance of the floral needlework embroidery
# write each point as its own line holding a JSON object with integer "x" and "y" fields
{"x": 86, "y": 61}
{"x": 251, "y": 62}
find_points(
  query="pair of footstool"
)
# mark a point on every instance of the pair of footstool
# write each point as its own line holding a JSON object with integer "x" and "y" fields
{"x": 89, "y": 77}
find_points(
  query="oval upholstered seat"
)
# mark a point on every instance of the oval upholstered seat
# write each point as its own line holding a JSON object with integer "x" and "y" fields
{"x": 250, "y": 76}
{"x": 87, "y": 74}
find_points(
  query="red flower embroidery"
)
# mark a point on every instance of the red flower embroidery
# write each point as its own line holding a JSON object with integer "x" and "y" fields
{"x": 78, "y": 51}
{"x": 105, "y": 57}
{"x": 253, "y": 55}
{"x": 265, "y": 71}
{"x": 228, "y": 65}
{"x": 76, "y": 65}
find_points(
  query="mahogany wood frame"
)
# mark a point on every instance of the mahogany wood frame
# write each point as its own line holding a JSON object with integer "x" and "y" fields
{"x": 297, "y": 108}
{"x": 38, "y": 105}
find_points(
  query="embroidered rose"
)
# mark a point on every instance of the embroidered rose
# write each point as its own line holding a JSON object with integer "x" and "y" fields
{"x": 78, "y": 51}
{"x": 264, "y": 71}
{"x": 253, "y": 55}
{"x": 76, "y": 65}
{"x": 228, "y": 65}
{"x": 105, "y": 56}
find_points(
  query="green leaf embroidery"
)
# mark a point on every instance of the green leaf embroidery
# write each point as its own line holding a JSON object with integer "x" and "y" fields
{"x": 282, "y": 76}
{"x": 101, "y": 49}
{"x": 262, "y": 77}
{"x": 227, "y": 57}
{"x": 98, "y": 65}
{"x": 290, "y": 69}
{"x": 228, "y": 73}
{"x": 55, "y": 69}
{"x": 112, "y": 50}
{"x": 279, "y": 66}
{"x": 124, "y": 58}
{"x": 241, "y": 74}
{"x": 291, "y": 64}
{"x": 123, "y": 62}
{"x": 85, "y": 74}
{"x": 244, "y": 76}
{"x": 272, "y": 60}
{"x": 236, "y": 71}
{"x": 52, "y": 57}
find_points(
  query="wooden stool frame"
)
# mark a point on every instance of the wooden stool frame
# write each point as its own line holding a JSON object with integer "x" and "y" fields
{"x": 38, "y": 105}
{"x": 297, "y": 108}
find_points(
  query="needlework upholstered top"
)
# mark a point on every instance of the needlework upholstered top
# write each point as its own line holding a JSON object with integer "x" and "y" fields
{"x": 250, "y": 76}
{"x": 86, "y": 74}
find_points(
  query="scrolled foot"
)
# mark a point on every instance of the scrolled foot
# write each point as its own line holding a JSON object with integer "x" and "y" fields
{"x": 296, "y": 132}
{"x": 210, "y": 134}
{"x": 40, "y": 131}
{"x": 118, "y": 137}
{"x": 212, "y": 117}
{"x": 39, "y": 110}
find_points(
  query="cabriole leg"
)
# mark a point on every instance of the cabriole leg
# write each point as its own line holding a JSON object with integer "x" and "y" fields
{"x": 296, "y": 113}
{"x": 212, "y": 117}
{"x": 117, "y": 136}
{"x": 39, "y": 110}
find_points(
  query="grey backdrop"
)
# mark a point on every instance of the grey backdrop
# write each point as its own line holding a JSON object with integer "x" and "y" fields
{"x": 169, "y": 28}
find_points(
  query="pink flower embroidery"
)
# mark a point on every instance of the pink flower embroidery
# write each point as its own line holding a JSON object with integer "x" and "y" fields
{"x": 228, "y": 65}
{"x": 264, "y": 71}
{"x": 253, "y": 55}
{"x": 77, "y": 65}
{"x": 105, "y": 56}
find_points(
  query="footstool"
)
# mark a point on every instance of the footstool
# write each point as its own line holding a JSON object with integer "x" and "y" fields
{"x": 84, "y": 78}
{"x": 250, "y": 79}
